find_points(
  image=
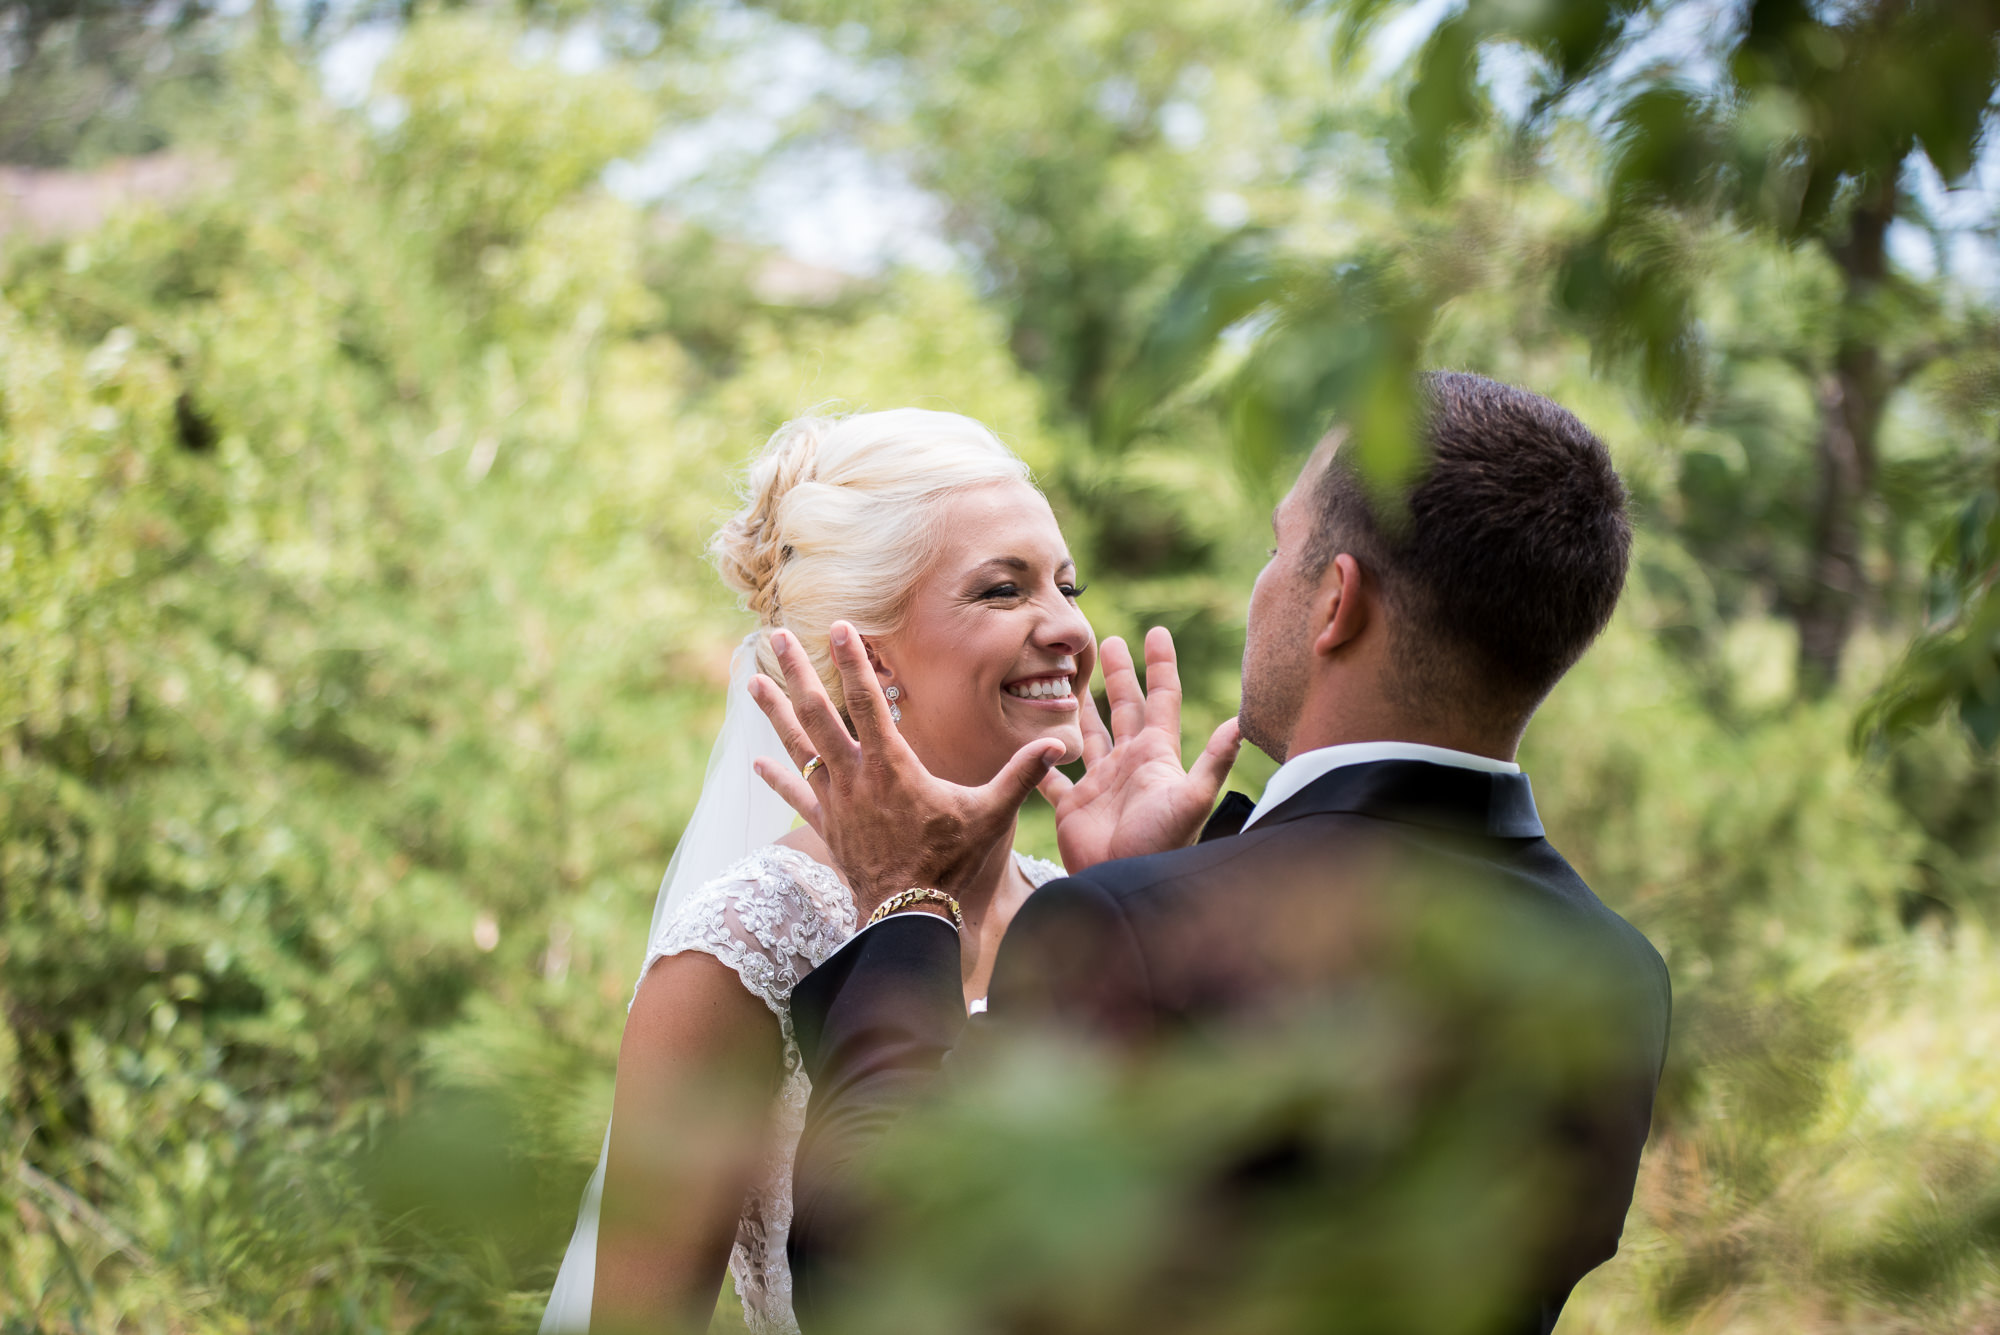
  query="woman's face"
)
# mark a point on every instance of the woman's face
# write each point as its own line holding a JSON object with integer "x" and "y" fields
{"x": 993, "y": 653}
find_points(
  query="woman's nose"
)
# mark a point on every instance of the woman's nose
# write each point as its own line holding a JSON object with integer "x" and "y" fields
{"x": 1065, "y": 630}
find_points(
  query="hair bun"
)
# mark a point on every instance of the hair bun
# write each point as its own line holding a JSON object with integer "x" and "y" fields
{"x": 841, "y": 518}
{"x": 751, "y": 547}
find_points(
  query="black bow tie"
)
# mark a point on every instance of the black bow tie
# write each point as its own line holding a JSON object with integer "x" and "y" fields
{"x": 1228, "y": 817}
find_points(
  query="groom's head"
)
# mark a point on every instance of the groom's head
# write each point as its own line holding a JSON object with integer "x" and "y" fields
{"x": 1445, "y": 613}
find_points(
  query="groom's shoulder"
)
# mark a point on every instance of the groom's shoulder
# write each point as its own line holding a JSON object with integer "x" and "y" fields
{"x": 1344, "y": 857}
{"x": 1122, "y": 888}
{"x": 1611, "y": 941}
{"x": 1568, "y": 886}
{"x": 1227, "y": 858}
{"x": 1234, "y": 859}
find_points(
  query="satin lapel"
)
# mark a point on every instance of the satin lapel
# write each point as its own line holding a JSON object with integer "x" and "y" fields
{"x": 1228, "y": 817}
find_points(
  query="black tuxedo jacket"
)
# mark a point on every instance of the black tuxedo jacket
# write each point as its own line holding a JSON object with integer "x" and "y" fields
{"x": 1371, "y": 876}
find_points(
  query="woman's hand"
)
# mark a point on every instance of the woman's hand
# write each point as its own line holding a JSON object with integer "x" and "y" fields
{"x": 1134, "y": 797}
{"x": 889, "y": 823}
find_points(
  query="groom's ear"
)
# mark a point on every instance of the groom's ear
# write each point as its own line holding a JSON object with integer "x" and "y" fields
{"x": 1342, "y": 607}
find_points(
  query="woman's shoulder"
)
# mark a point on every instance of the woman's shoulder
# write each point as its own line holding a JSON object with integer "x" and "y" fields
{"x": 787, "y": 868}
{"x": 772, "y": 917}
{"x": 778, "y": 896}
{"x": 777, "y": 874}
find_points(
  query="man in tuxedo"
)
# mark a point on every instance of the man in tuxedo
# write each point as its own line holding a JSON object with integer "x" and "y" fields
{"x": 1398, "y": 643}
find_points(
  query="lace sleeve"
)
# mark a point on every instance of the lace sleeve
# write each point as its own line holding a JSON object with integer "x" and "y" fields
{"x": 770, "y": 918}
{"x": 1039, "y": 871}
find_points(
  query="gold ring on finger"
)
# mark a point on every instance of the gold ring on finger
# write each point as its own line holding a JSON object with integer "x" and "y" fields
{"x": 807, "y": 769}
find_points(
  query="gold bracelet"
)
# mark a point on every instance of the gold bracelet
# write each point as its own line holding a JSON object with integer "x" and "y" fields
{"x": 918, "y": 895}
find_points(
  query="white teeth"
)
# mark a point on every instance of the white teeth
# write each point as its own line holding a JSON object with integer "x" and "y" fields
{"x": 1057, "y": 688}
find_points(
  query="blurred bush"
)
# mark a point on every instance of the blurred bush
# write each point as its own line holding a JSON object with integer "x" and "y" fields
{"x": 357, "y": 661}
{"x": 359, "y": 664}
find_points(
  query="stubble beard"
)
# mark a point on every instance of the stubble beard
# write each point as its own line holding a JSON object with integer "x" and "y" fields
{"x": 1273, "y": 694}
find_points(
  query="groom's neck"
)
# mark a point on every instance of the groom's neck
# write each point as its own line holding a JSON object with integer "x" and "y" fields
{"x": 1336, "y": 717}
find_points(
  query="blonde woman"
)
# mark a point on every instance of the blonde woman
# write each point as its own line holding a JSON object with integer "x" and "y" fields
{"x": 922, "y": 530}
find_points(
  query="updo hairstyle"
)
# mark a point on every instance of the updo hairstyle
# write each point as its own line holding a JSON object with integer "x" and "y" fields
{"x": 841, "y": 517}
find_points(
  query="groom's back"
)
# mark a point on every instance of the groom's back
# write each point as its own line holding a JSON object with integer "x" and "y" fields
{"x": 1382, "y": 1062}
{"x": 1479, "y": 1035}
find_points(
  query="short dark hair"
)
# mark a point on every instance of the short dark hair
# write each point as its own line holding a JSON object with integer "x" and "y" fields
{"x": 1501, "y": 556}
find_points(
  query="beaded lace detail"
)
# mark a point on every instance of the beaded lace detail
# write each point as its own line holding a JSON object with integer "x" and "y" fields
{"x": 773, "y": 918}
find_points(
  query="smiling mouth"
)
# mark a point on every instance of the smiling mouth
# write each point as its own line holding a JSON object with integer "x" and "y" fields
{"x": 1042, "y": 688}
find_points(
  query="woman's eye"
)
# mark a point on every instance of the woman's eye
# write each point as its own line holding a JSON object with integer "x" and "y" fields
{"x": 1000, "y": 591}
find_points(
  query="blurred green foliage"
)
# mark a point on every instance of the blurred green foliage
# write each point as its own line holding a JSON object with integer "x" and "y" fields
{"x": 91, "y": 79}
{"x": 357, "y": 660}
{"x": 1811, "y": 126}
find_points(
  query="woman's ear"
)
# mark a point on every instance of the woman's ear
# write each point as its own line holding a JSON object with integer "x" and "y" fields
{"x": 883, "y": 672}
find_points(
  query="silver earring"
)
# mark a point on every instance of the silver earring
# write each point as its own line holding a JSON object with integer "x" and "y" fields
{"x": 895, "y": 693}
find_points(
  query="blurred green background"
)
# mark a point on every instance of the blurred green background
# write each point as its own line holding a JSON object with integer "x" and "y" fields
{"x": 372, "y": 374}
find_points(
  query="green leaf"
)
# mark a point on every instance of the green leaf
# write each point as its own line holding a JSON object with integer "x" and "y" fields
{"x": 1444, "y": 101}
{"x": 1238, "y": 275}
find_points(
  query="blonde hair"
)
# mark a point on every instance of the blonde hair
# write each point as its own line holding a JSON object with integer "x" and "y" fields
{"x": 841, "y": 518}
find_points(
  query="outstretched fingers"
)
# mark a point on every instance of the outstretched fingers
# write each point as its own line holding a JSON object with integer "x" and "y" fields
{"x": 1055, "y": 786}
{"x": 1212, "y": 766}
{"x": 813, "y": 711}
{"x": 784, "y": 720}
{"x": 789, "y": 784}
{"x": 1163, "y": 683}
{"x": 1096, "y": 737}
{"x": 866, "y": 705}
{"x": 1031, "y": 765}
{"x": 785, "y": 779}
{"x": 1121, "y": 689}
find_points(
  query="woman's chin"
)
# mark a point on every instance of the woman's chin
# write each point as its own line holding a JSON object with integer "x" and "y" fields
{"x": 1069, "y": 733}
{"x": 1071, "y": 736}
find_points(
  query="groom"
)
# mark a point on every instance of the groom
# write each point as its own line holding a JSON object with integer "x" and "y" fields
{"x": 1397, "y": 646}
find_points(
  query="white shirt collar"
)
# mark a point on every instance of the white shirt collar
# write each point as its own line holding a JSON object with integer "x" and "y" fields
{"x": 1301, "y": 770}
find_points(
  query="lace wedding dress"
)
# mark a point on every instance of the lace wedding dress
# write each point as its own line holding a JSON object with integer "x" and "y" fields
{"x": 773, "y": 918}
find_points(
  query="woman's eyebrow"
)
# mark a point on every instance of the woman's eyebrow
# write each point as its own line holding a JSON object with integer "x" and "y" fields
{"x": 1019, "y": 565}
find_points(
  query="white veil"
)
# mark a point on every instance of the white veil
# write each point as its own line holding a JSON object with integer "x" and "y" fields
{"x": 735, "y": 815}
{"x": 737, "y": 812}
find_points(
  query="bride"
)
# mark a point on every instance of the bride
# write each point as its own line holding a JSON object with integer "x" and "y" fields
{"x": 920, "y": 528}
{"x": 924, "y": 531}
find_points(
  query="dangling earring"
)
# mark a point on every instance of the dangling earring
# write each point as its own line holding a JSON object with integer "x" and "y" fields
{"x": 895, "y": 693}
